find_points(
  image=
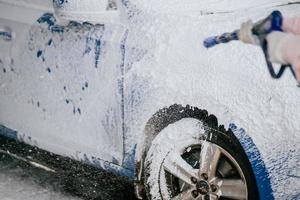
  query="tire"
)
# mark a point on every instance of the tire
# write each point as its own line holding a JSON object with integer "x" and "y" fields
{"x": 171, "y": 170}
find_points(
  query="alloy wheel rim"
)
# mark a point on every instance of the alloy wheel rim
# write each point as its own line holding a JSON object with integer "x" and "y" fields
{"x": 213, "y": 175}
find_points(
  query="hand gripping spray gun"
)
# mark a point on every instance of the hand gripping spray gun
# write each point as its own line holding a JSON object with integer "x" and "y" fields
{"x": 261, "y": 29}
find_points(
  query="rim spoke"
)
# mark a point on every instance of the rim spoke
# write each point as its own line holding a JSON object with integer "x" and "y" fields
{"x": 211, "y": 197}
{"x": 186, "y": 195}
{"x": 209, "y": 157}
{"x": 178, "y": 167}
{"x": 232, "y": 188}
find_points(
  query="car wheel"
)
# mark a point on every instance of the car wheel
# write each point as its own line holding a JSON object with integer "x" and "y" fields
{"x": 190, "y": 160}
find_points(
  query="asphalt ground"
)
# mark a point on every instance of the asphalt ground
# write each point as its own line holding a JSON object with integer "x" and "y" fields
{"x": 21, "y": 181}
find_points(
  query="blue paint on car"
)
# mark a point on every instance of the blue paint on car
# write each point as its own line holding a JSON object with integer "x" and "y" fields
{"x": 57, "y": 29}
{"x": 60, "y": 3}
{"x": 48, "y": 19}
{"x": 115, "y": 161}
{"x": 50, "y": 42}
{"x": 39, "y": 53}
{"x": 97, "y": 52}
{"x": 79, "y": 111}
{"x": 74, "y": 24}
{"x": 129, "y": 161}
{"x": 132, "y": 10}
{"x": 6, "y": 35}
{"x": 108, "y": 166}
{"x": 8, "y": 132}
{"x": 87, "y": 50}
{"x": 260, "y": 171}
{"x": 90, "y": 160}
{"x": 92, "y": 34}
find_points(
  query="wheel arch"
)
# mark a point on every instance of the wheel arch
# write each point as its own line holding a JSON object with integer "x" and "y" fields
{"x": 259, "y": 168}
{"x": 168, "y": 115}
{"x": 161, "y": 119}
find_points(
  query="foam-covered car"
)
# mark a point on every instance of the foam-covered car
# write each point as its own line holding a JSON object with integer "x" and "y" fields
{"x": 127, "y": 87}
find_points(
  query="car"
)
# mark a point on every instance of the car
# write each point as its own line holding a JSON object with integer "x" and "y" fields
{"x": 126, "y": 87}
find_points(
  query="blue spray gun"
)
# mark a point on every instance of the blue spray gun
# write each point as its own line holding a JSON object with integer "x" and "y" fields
{"x": 261, "y": 29}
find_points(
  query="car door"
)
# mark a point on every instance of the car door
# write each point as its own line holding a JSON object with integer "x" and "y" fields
{"x": 60, "y": 85}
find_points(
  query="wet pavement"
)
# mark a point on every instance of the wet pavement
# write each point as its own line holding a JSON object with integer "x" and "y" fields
{"x": 20, "y": 181}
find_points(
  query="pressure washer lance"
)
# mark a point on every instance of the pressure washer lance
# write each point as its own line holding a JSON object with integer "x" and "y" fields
{"x": 261, "y": 29}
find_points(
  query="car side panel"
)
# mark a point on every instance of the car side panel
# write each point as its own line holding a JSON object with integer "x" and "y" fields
{"x": 60, "y": 85}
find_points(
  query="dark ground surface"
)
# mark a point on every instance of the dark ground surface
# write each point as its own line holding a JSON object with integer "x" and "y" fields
{"x": 19, "y": 180}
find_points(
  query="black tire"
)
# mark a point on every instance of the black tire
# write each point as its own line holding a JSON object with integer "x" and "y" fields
{"x": 212, "y": 132}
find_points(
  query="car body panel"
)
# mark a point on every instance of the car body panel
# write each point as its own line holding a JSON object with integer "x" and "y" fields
{"x": 60, "y": 86}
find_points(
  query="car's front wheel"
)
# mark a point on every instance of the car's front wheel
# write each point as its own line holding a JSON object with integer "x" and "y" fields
{"x": 190, "y": 160}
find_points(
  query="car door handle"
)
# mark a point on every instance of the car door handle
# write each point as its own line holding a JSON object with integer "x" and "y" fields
{"x": 6, "y": 34}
